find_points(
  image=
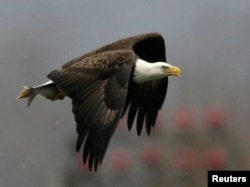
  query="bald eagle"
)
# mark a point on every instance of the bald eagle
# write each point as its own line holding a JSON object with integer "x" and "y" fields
{"x": 129, "y": 74}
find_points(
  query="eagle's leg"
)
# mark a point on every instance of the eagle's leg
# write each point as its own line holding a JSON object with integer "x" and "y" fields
{"x": 59, "y": 95}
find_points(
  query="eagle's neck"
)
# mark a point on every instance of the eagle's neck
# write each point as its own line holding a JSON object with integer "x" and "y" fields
{"x": 145, "y": 71}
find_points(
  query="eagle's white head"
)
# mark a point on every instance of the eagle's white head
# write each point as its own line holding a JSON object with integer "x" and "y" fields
{"x": 146, "y": 71}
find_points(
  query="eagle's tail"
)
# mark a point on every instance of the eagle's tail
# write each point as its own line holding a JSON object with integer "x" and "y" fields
{"x": 48, "y": 90}
{"x": 27, "y": 92}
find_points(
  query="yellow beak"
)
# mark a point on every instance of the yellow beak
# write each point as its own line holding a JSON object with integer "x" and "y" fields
{"x": 173, "y": 71}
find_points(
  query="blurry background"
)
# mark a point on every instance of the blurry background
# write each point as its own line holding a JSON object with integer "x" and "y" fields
{"x": 203, "y": 125}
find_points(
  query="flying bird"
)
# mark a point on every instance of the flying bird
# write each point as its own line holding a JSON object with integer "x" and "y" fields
{"x": 130, "y": 74}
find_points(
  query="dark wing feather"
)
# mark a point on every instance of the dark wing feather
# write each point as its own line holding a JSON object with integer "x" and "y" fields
{"x": 97, "y": 86}
{"x": 145, "y": 100}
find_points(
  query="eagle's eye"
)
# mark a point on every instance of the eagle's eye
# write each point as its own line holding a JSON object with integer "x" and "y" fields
{"x": 164, "y": 67}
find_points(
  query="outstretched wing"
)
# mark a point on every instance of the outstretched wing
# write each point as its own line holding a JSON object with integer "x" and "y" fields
{"x": 97, "y": 86}
{"x": 145, "y": 100}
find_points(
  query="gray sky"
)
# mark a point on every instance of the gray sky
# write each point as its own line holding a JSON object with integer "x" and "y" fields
{"x": 209, "y": 40}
